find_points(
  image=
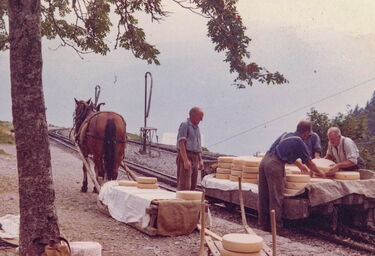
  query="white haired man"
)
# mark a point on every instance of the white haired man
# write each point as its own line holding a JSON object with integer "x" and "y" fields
{"x": 343, "y": 151}
{"x": 189, "y": 156}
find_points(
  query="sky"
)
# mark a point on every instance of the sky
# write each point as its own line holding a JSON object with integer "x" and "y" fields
{"x": 326, "y": 49}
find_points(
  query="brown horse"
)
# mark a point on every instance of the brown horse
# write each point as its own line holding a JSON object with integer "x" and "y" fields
{"x": 102, "y": 135}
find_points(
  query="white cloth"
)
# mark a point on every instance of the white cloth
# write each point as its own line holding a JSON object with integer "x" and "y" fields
{"x": 9, "y": 226}
{"x": 209, "y": 181}
{"x": 129, "y": 204}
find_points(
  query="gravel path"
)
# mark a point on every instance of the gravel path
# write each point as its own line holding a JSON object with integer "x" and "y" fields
{"x": 80, "y": 219}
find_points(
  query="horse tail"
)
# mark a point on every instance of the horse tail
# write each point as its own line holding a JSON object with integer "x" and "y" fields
{"x": 109, "y": 148}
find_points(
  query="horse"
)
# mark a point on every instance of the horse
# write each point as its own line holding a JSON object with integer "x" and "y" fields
{"x": 101, "y": 134}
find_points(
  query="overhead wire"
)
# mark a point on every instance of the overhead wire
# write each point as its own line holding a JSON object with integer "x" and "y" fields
{"x": 293, "y": 111}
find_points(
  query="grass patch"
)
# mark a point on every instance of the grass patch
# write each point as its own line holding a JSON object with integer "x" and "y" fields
{"x": 133, "y": 136}
{"x": 5, "y": 133}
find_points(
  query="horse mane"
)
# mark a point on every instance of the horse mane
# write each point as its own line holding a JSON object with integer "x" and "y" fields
{"x": 83, "y": 109}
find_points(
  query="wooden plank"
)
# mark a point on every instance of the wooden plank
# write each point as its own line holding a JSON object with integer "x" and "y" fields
{"x": 211, "y": 245}
{"x": 89, "y": 170}
{"x": 210, "y": 233}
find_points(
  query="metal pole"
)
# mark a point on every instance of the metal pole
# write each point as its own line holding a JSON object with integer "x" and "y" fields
{"x": 146, "y": 112}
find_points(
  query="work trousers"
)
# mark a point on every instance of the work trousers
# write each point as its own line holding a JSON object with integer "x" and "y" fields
{"x": 270, "y": 190}
{"x": 187, "y": 179}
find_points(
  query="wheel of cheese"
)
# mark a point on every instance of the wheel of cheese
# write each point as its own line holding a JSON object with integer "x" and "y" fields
{"x": 238, "y": 161}
{"x": 236, "y": 167}
{"x": 86, "y": 248}
{"x": 295, "y": 185}
{"x": 253, "y": 162}
{"x": 347, "y": 175}
{"x": 235, "y": 173}
{"x": 225, "y": 165}
{"x": 147, "y": 180}
{"x": 255, "y": 181}
{"x": 233, "y": 178}
{"x": 236, "y": 242}
{"x": 147, "y": 185}
{"x": 303, "y": 178}
{"x": 222, "y": 170}
{"x": 291, "y": 191}
{"x": 319, "y": 180}
{"x": 224, "y": 252}
{"x": 250, "y": 169}
{"x": 247, "y": 175}
{"x": 323, "y": 164}
{"x": 222, "y": 176}
{"x": 189, "y": 195}
{"x": 127, "y": 183}
{"x": 293, "y": 169}
{"x": 225, "y": 159}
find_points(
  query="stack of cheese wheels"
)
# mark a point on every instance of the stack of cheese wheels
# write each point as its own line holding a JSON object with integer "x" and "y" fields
{"x": 292, "y": 169}
{"x": 189, "y": 195}
{"x": 250, "y": 169}
{"x": 236, "y": 168}
{"x": 147, "y": 182}
{"x": 319, "y": 180}
{"x": 241, "y": 245}
{"x": 295, "y": 182}
{"x": 224, "y": 167}
{"x": 347, "y": 175}
{"x": 323, "y": 164}
{"x": 127, "y": 183}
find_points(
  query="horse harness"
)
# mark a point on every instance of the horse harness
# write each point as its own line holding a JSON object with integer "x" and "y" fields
{"x": 83, "y": 128}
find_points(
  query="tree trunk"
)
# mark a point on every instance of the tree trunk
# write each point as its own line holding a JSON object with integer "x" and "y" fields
{"x": 38, "y": 214}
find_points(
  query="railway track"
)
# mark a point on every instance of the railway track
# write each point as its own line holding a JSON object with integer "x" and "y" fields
{"x": 357, "y": 239}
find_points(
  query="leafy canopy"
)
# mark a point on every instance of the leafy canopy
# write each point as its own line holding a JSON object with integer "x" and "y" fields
{"x": 85, "y": 25}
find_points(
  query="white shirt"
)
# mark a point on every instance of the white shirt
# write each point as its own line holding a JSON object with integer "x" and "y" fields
{"x": 346, "y": 150}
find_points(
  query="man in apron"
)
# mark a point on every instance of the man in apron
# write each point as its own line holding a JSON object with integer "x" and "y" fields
{"x": 286, "y": 149}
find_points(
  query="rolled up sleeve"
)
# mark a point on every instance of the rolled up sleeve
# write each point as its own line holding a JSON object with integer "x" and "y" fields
{"x": 182, "y": 132}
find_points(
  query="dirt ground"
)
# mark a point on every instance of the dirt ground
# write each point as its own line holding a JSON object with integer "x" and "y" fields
{"x": 80, "y": 219}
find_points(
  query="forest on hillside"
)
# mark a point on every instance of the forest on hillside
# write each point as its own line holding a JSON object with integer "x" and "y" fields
{"x": 357, "y": 123}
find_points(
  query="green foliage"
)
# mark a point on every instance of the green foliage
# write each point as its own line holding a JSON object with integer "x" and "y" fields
{"x": 356, "y": 124}
{"x": 85, "y": 26}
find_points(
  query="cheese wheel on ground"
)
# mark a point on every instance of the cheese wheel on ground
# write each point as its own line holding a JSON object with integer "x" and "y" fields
{"x": 347, "y": 175}
{"x": 222, "y": 170}
{"x": 295, "y": 185}
{"x": 242, "y": 242}
{"x": 236, "y": 167}
{"x": 249, "y": 175}
{"x": 86, "y": 248}
{"x": 319, "y": 180}
{"x": 323, "y": 164}
{"x": 147, "y": 185}
{"x": 233, "y": 178}
{"x": 298, "y": 178}
{"x": 290, "y": 191}
{"x": 224, "y": 252}
{"x": 225, "y": 159}
{"x": 127, "y": 183}
{"x": 250, "y": 169}
{"x": 189, "y": 195}
{"x": 255, "y": 181}
{"x": 235, "y": 173}
{"x": 225, "y": 165}
{"x": 222, "y": 176}
{"x": 147, "y": 180}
